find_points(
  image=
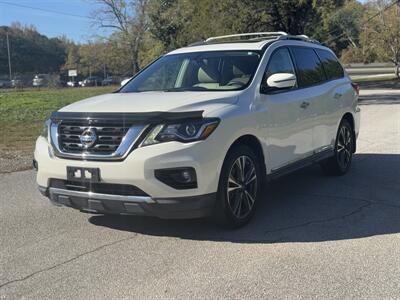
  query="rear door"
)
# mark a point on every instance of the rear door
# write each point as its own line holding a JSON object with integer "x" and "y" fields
{"x": 312, "y": 81}
{"x": 339, "y": 94}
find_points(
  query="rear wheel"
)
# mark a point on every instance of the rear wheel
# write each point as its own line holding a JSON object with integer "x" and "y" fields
{"x": 340, "y": 163}
{"x": 239, "y": 188}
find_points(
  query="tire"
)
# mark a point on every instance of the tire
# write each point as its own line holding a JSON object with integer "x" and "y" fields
{"x": 235, "y": 208}
{"x": 340, "y": 163}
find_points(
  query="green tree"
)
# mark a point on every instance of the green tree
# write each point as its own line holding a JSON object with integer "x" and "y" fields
{"x": 92, "y": 58}
{"x": 166, "y": 22}
{"x": 179, "y": 22}
{"x": 130, "y": 19}
{"x": 72, "y": 56}
{"x": 341, "y": 28}
{"x": 382, "y": 34}
{"x": 31, "y": 52}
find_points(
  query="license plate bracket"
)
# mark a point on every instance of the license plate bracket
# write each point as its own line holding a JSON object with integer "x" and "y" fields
{"x": 83, "y": 174}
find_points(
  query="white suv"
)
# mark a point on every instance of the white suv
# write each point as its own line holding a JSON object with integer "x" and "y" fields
{"x": 198, "y": 131}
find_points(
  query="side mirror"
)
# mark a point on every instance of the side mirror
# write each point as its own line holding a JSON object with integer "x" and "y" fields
{"x": 125, "y": 81}
{"x": 280, "y": 81}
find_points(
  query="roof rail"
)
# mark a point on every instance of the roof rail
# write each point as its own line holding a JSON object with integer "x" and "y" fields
{"x": 252, "y": 34}
{"x": 255, "y": 37}
{"x": 302, "y": 37}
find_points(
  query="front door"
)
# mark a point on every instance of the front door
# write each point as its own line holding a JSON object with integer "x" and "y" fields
{"x": 289, "y": 132}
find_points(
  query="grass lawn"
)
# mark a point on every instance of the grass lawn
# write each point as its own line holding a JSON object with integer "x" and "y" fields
{"x": 22, "y": 114}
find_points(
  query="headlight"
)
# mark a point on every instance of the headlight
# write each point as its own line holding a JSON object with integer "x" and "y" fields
{"x": 46, "y": 129}
{"x": 184, "y": 132}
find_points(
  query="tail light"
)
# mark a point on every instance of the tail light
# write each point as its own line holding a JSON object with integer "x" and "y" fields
{"x": 356, "y": 87}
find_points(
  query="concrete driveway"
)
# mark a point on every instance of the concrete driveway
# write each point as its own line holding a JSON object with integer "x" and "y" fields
{"x": 313, "y": 236}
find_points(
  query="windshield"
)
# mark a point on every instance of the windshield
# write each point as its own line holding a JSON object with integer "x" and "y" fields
{"x": 200, "y": 71}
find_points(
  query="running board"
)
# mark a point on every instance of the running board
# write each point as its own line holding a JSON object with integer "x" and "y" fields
{"x": 315, "y": 158}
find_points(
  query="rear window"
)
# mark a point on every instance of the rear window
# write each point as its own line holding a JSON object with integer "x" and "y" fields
{"x": 309, "y": 67}
{"x": 331, "y": 65}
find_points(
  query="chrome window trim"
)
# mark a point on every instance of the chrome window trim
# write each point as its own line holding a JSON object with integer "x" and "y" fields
{"x": 127, "y": 143}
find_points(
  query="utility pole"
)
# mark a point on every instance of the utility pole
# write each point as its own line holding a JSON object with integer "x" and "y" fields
{"x": 9, "y": 56}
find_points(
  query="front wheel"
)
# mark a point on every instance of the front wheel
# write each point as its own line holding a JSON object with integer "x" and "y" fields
{"x": 340, "y": 163}
{"x": 239, "y": 188}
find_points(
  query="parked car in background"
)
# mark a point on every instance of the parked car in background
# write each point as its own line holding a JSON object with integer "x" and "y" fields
{"x": 21, "y": 81}
{"x": 5, "y": 84}
{"x": 92, "y": 81}
{"x": 41, "y": 80}
{"x": 111, "y": 80}
{"x": 73, "y": 83}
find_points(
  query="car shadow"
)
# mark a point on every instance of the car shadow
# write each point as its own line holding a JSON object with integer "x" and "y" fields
{"x": 305, "y": 206}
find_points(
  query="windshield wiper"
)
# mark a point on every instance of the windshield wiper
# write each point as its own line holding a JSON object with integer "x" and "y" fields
{"x": 181, "y": 89}
{"x": 184, "y": 89}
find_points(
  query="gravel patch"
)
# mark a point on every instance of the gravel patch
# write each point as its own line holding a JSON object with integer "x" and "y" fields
{"x": 15, "y": 161}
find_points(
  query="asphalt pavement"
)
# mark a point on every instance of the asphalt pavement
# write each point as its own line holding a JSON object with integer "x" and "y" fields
{"x": 312, "y": 237}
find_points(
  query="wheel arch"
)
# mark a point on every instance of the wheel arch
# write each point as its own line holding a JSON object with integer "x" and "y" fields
{"x": 350, "y": 118}
{"x": 254, "y": 143}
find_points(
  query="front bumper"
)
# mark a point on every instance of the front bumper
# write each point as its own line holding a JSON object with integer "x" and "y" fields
{"x": 138, "y": 170}
{"x": 168, "y": 208}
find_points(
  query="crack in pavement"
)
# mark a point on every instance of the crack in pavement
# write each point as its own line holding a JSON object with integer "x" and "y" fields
{"x": 382, "y": 203}
{"x": 356, "y": 211}
{"x": 65, "y": 262}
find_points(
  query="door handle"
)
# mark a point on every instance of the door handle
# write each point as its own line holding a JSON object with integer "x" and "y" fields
{"x": 338, "y": 95}
{"x": 305, "y": 104}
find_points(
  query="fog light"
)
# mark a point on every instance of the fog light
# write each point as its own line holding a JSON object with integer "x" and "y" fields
{"x": 186, "y": 176}
{"x": 178, "y": 178}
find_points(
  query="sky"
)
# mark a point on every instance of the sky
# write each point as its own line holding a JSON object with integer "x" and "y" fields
{"x": 54, "y": 17}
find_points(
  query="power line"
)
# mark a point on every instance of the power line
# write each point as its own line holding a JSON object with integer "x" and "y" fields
{"x": 368, "y": 20}
{"x": 44, "y": 10}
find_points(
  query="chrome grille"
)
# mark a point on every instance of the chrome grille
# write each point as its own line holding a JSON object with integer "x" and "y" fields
{"x": 113, "y": 139}
{"x": 108, "y": 138}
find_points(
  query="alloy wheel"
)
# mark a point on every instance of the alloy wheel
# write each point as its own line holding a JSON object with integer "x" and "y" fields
{"x": 242, "y": 186}
{"x": 344, "y": 147}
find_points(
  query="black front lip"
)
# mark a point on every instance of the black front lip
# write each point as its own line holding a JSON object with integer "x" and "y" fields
{"x": 165, "y": 208}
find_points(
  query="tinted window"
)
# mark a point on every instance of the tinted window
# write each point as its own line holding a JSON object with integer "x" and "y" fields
{"x": 309, "y": 67}
{"x": 332, "y": 67}
{"x": 280, "y": 62}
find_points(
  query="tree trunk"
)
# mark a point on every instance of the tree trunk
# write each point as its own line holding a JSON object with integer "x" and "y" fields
{"x": 135, "y": 65}
{"x": 398, "y": 71}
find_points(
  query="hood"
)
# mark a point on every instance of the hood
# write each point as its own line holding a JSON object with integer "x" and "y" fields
{"x": 155, "y": 101}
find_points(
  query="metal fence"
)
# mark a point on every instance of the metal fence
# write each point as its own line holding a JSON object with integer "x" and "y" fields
{"x": 381, "y": 69}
